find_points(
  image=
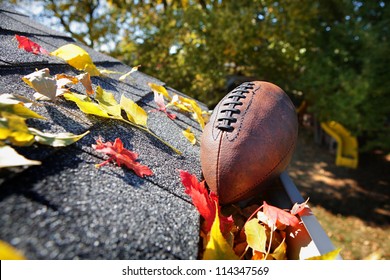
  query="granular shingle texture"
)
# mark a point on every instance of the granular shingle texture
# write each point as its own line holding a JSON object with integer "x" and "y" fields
{"x": 66, "y": 208}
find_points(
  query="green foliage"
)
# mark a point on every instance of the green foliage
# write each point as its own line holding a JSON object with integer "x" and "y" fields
{"x": 332, "y": 53}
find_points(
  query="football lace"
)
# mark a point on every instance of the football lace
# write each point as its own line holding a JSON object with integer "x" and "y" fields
{"x": 231, "y": 106}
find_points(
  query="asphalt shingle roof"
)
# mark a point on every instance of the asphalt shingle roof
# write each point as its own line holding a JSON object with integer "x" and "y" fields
{"x": 68, "y": 209}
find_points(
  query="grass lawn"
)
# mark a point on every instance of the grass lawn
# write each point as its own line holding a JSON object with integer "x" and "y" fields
{"x": 352, "y": 205}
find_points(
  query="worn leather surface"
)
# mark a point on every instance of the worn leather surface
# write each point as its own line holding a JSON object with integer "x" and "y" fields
{"x": 241, "y": 153}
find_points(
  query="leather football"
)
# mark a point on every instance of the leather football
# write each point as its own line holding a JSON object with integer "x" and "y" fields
{"x": 249, "y": 141}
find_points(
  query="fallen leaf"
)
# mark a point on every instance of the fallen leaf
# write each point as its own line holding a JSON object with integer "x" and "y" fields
{"x": 10, "y": 158}
{"x": 160, "y": 90}
{"x": 279, "y": 217}
{"x": 280, "y": 252}
{"x": 134, "y": 112}
{"x": 256, "y": 236}
{"x": 189, "y": 105}
{"x": 56, "y": 140}
{"x": 258, "y": 256}
{"x": 14, "y": 129}
{"x": 217, "y": 247}
{"x": 204, "y": 202}
{"x": 197, "y": 113}
{"x": 301, "y": 209}
{"x": 108, "y": 72}
{"x": 85, "y": 79}
{"x": 159, "y": 100}
{"x": 19, "y": 110}
{"x": 10, "y": 99}
{"x": 121, "y": 155}
{"x": 8, "y": 252}
{"x": 180, "y": 103}
{"x": 332, "y": 255}
{"x": 43, "y": 83}
{"x": 107, "y": 102}
{"x": 30, "y": 46}
{"x": 189, "y": 135}
{"x": 85, "y": 106}
{"x": 77, "y": 57}
{"x": 123, "y": 77}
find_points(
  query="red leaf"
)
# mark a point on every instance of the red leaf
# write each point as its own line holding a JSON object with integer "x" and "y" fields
{"x": 279, "y": 217}
{"x": 204, "y": 202}
{"x": 121, "y": 155}
{"x": 30, "y": 46}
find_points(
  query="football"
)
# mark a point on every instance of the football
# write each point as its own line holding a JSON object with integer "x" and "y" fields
{"x": 248, "y": 141}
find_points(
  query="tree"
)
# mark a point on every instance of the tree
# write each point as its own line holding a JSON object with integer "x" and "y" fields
{"x": 345, "y": 70}
{"x": 332, "y": 53}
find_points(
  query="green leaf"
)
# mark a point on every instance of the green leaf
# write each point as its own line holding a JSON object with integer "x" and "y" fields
{"x": 218, "y": 248}
{"x": 256, "y": 236}
{"x": 56, "y": 140}
{"x": 19, "y": 110}
{"x": 9, "y": 158}
{"x": 87, "y": 107}
{"x": 107, "y": 102}
{"x": 134, "y": 112}
{"x": 332, "y": 255}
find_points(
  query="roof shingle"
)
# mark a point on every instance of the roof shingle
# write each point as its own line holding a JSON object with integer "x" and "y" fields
{"x": 68, "y": 209}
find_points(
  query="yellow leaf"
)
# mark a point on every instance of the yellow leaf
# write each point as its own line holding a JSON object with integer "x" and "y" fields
{"x": 123, "y": 77}
{"x": 107, "y": 101}
{"x": 87, "y": 107}
{"x": 280, "y": 251}
{"x": 9, "y": 157}
{"x": 180, "y": 103}
{"x": 189, "y": 135}
{"x": 218, "y": 248}
{"x": 256, "y": 236}
{"x": 160, "y": 89}
{"x": 189, "y": 105}
{"x": 332, "y": 255}
{"x": 197, "y": 113}
{"x": 18, "y": 133}
{"x": 77, "y": 57}
{"x": 134, "y": 112}
{"x": 19, "y": 110}
{"x": 8, "y": 252}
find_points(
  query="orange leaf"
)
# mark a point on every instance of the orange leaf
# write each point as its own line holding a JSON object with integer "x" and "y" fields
{"x": 30, "y": 46}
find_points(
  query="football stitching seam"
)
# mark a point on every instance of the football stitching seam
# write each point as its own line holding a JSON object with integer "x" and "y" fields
{"x": 242, "y": 116}
{"x": 218, "y": 159}
{"x": 259, "y": 181}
